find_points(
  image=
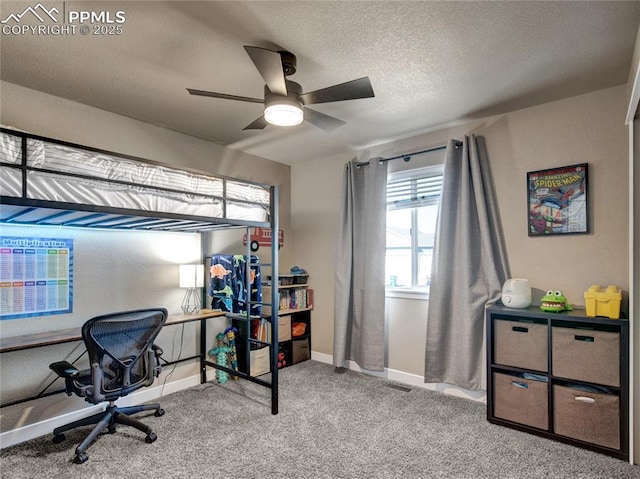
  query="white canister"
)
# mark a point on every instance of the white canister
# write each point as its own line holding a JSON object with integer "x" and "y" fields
{"x": 516, "y": 293}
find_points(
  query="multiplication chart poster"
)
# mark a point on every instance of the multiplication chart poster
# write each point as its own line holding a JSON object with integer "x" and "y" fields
{"x": 36, "y": 276}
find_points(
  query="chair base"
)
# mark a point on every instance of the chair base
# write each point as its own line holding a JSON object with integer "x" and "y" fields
{"x": 108, "y": 419}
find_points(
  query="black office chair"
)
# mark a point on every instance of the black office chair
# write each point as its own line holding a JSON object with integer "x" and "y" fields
{"x": 122, "y": 359}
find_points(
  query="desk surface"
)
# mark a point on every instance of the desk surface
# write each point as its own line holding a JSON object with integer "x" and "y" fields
{"x": 37, "y": 340}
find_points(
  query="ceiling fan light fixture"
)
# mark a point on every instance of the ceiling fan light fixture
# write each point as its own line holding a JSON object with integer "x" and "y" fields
{"x": 283, "y": 112}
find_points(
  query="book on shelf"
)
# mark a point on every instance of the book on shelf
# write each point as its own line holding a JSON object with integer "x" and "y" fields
{"x": 264, "y": 331}
{"x": 289, "y": 299}
{"x": 310, "y": 298}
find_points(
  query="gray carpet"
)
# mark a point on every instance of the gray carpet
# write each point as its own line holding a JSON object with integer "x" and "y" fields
{"x": 330, "y": 426}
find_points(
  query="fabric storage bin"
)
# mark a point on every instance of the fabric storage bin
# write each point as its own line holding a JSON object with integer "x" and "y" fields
{"x": 300, "y": 350}
{"x": 586, "y": 355}
{"x": 587, "y": 416}
{"x": 259, "y": 361}
{"x": 521, "y": 344}
{"x": 284, "y": 328}
{"x": 521, "y": 400}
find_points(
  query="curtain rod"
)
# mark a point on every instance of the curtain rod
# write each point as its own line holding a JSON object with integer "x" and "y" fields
{"x": 407, "y": 156}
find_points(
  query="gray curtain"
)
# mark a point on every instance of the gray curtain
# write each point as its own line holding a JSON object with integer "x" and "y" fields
{"x": 359, "y": 280}
{"x": 468, "y": 269}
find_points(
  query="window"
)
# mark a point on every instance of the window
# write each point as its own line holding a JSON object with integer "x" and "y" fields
{"x": 412, "y": 209}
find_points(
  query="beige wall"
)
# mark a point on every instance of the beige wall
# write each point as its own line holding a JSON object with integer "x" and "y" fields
{"x": 583, "y": 129}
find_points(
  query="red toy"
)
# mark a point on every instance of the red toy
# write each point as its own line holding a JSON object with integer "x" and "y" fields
{"x": 281, "y": 362}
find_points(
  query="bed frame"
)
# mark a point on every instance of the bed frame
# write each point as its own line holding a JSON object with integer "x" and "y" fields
{"x": 44, "y": 181}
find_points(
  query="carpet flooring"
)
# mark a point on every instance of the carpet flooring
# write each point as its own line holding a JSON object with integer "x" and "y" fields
{"x": 330, "y": 425}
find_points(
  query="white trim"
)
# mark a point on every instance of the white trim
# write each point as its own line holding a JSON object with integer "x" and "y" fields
{"x": 633, "y": 285}
{"x": 633, "y": 91}
{"x": 634, "y": 82}
{"x": 41, "y": 427}
{"x": 44, "y": 427}
{"x": 418, "y": 172}
{"x": 409, "y": 379}
{"x": 634, "y": 98}
{"x": 420, "y": 294}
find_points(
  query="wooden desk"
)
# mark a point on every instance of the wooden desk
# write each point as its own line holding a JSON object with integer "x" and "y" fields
{"x": 37, "y": 340}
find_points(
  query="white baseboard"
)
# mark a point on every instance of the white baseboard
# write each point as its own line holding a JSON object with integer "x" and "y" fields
{"x": 40, "y": 417}
{"x": 23, "y": 429}
{"x": 409, "y": 379}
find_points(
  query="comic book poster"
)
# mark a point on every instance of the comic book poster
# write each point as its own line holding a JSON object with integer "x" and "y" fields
{"x": 557, "y": 201}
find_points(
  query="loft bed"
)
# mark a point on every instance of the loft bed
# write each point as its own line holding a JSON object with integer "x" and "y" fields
{"x": 49, "y": 182}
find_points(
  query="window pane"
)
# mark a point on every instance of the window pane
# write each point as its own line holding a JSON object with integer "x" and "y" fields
{"x": 427, "y": 216}
{"x": 399, "y": 229}
{"x": 425, "y": 256}
{"x": 398, "y": 268}
{"x": 398, "y": 257}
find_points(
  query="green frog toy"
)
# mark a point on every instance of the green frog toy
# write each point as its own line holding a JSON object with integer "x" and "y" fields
{"x": 554, "y": 302}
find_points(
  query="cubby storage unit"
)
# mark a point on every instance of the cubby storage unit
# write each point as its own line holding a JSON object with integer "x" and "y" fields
{"x": 564, "y": 376}
{"x": 259, "y": 357}
{"x": 294, "y": 318}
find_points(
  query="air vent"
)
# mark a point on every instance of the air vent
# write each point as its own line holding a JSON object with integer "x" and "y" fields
{"x": 399, "y": 388}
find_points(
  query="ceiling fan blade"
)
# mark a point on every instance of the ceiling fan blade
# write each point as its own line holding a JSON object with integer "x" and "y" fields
{"x": 224, "y": 96}
{"x": 322, "y": 121}
{"x": 258, "y": 124}
{"x": 351, "y": 90}
{"x": 269, "y": 64}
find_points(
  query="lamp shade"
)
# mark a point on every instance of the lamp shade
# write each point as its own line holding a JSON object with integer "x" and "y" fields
{"x": 191, "y": 275}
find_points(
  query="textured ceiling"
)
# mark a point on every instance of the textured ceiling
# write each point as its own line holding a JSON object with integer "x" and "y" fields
{"x": 430, "y": 63}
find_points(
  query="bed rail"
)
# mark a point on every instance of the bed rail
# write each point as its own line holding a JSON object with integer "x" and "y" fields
{"x": 45, "y": 181}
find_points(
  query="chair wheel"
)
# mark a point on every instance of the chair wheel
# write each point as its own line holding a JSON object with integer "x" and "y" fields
{"x": 58, "y": 439}
{"x": 159, "y": 412}
{"x": 111, "y": 430}
{"x": 151, "y": 437}
{"x": 80, "y": 458}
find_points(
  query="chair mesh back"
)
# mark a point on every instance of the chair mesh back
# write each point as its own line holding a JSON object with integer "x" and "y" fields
{"x": 118, "y": 343}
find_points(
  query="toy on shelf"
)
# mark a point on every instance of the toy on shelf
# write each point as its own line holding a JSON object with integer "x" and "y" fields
{"x": 221, "y": 354}
{"x": 298, "y": 329}
{"x": 231, "y": 341}
{"x": 554, "y": 302}
{"x": 281, "y": 361}
{"x": 603, "y": 302}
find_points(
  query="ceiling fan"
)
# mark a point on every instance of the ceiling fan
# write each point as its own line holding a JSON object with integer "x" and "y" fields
{"x": 284, "y": 102}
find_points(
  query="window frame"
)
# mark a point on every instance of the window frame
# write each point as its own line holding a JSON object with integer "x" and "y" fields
{"x": 413, "y": 176}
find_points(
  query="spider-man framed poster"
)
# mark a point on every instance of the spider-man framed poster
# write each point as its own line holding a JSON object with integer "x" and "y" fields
{"x": 557, "y": 201}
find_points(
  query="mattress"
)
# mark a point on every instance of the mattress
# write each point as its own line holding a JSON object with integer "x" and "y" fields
{"x": 61, "y": 173}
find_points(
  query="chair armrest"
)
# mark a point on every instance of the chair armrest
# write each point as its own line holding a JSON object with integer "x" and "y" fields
{"x": 64, "y": 369}
{"x": 157, "y": 350}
